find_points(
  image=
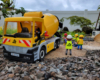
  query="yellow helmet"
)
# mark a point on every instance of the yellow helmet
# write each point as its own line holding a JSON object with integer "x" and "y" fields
{"x": 76, "y": 35}
{"x": 81, "y": 36}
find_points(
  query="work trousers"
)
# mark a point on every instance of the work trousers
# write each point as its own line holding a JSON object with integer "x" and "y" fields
{"x": 70, "y": 51}
{"x": 79, "y": 47}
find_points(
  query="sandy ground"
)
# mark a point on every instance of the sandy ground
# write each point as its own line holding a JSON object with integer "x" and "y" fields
{"x": 91, "y": 45}
{"x": 60, "y": 52}
{"x": 97, "y": 38}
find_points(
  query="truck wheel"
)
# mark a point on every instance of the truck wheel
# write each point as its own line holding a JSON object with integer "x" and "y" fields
{"x": 58, "y": 43}
{"x": 42, "y": 53}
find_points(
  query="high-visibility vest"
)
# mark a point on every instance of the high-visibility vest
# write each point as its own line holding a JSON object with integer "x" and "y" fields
{"x": 69, "y": 45}
{"x": 76, "y": 39}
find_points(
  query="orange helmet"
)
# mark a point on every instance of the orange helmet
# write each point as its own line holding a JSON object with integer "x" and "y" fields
{"x": 65, "y": 34}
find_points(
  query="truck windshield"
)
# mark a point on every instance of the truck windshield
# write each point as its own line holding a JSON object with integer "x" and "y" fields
{"x": 11, "y": 28}
{"x": 19, "y": 29}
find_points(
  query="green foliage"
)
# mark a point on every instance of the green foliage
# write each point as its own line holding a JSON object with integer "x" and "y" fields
{"x": 62, "y": 19}
{"x": 65, "y": 29}
{"x": 5, "y": 13}
{"x": 1, "y": 32}
{"x": 73, "y": 33}
{"x": 22, "y": 10}
{"x": 76, "y": 20}
{"x": 1, "y": 41}
{"x": 98, "y": 7}
{"x": 12, "y": 13}
{"x": 6, "y": 6}
{"x": 93, "y": 28}
{"x": 11, "y": 31}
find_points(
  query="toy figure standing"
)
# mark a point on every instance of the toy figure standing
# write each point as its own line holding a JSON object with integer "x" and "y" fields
{"x": 80, "y": 42}
{"x": 65, "y": 38}
{"x": 69, "y": 44}
{"x": 76, "y": 39}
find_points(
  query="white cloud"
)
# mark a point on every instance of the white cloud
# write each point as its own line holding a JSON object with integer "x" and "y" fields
{"x": 85, "y": 4}
{"x": 57, "y": 5}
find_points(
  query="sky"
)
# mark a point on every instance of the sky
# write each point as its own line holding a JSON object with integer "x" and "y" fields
{"x": 57, "y": 5}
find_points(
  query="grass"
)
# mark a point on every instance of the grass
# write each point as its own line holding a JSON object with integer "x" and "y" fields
{"x": 73, "y": 33}
{"x": 9, "y": 31}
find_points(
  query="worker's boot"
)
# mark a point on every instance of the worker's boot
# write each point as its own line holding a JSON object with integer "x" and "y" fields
{"x": 70, "y": 52}
{"x": 65, "y": 53}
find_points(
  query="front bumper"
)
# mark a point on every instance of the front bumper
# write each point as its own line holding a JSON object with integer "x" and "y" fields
{"x": 21, "y": 57}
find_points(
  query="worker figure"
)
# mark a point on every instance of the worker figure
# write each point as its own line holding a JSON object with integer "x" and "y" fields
{"x": 80, "y": 42}
{"x": 38, "y": 32}
{"x": 69, "y": 44}
{"x": 65, "y": 38}
{"x": 76, "y": 39}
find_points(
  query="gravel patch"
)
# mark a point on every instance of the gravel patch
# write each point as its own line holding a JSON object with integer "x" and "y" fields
{"x": 66, "y": 68}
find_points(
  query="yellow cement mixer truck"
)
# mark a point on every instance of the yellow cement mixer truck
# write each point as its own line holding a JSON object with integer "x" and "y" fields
{"x": 34, "y": 37}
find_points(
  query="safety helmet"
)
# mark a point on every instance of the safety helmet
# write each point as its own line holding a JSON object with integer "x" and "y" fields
{"x": 81, "y": 36}
{"x": 65, "y": 34}
{"x": 76, "y": 35}
{"x": 69, "y": 37}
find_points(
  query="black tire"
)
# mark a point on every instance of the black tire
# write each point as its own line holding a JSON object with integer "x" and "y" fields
{"x": 42, "y": 53}
{"x": 58, "y": 43}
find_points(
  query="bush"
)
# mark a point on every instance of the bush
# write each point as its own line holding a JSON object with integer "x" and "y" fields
{"x": 73, "y": 33}
{"x": 65, "y": 29}
{"x": 87, "y": 30}
{"x": 77, "y": 30}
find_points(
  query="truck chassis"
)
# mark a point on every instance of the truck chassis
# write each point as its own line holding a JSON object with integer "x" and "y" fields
{"x": 31, "y": 54}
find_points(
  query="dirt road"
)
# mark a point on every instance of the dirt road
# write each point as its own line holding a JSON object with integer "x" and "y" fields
{"x": 60, "y": 52}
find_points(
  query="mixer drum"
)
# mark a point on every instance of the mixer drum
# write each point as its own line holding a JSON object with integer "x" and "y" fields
{"x": 51, "y": 24}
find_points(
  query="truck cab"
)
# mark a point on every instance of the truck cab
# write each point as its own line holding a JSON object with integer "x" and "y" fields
{"x": 22, "y": 45}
